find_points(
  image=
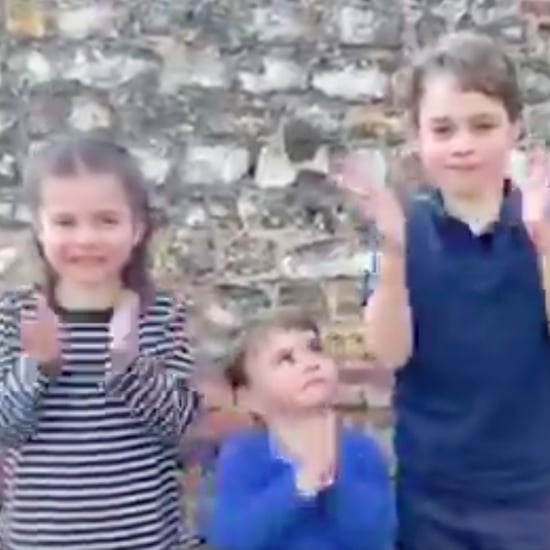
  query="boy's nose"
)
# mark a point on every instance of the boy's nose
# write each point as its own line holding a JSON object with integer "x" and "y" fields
{"x": 463, "y": 144}
{"x": 311, "y": 365}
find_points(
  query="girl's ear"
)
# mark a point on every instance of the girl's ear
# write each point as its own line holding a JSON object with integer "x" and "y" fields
{"x": 139, "y": 233}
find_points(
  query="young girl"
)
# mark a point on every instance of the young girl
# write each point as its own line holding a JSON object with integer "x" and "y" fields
{"x": 459, "y": 305}
{"x": 296, "y": 482}
{"x": 94, "y": 367}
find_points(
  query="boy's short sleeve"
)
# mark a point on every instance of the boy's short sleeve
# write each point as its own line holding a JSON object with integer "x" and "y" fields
{"x": 370, "y": 278}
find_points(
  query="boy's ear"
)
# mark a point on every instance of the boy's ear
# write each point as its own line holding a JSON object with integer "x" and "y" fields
{"x": 246, "y": 401}
{"x": 518, "y": 130}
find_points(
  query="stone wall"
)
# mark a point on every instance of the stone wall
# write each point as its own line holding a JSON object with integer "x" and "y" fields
{"x": 238, "y": 109}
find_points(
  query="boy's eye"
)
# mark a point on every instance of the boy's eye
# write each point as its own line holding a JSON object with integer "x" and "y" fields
{"x": 64, "y": 221}
{"x": 483, "y": 126}
{"x": 441, "y": 130}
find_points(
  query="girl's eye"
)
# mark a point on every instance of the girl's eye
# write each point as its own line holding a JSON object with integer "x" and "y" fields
{"x": 109, "y": 221}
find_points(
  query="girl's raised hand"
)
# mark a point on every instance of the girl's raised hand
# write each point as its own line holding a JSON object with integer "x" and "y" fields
{"x": 39, "y": 335}
{"x": 124, "y": 325}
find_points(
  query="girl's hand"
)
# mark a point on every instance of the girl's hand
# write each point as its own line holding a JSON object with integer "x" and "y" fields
{"x": 376, "y": 202}
{"x": 124, "y": 325}
{"x": 40, "y": 337}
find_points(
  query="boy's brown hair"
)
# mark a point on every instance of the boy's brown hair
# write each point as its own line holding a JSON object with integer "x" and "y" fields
{"x": 252, "y": 335}
{"x": 477, "y": 62}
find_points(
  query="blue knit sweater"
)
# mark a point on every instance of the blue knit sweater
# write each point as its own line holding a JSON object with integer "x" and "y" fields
{"x": 257, "y": 506}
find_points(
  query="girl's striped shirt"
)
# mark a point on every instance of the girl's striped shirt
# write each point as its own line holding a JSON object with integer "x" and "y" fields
{"x": 91, "y": 456}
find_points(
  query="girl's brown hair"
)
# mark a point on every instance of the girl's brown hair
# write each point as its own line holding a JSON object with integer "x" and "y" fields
{"x": 69, "y": 157}
{"x": 477, "y": 62}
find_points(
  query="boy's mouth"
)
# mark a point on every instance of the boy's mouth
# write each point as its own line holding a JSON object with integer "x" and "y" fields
{"x": 314, "y": 382}
{"x": 87, "y": 261}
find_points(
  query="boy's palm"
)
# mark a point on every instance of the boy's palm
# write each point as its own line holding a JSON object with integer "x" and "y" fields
{"x": 317, "y": 450}
{"x": 535, "y": 200}
{"x": 376, "y": 202}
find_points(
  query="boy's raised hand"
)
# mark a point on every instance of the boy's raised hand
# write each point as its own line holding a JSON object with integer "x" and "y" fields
{"x": 376, "y": 202}
{"x": 536, "y": 199}
{"x": 318, "y": 454}
{"x": 39, "y": 335}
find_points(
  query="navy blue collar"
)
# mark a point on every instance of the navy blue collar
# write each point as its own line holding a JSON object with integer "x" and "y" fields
{"x": 510, "y": 209}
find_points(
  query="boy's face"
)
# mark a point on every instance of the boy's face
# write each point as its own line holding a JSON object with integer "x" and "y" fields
{"x": 288, "y": 372}
{"x": 464, "y": 137}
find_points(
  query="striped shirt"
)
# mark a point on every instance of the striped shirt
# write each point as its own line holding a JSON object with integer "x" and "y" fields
{"x": 91, "y": 456}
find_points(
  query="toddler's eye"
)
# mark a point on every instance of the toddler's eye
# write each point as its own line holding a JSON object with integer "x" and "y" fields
{"x": 315, "y": 344}
{"x": 285, "y": 357}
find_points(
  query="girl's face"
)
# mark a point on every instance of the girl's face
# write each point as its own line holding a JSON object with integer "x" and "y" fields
{"x": 86, "y": 228}
{"x": 464, "y": 137}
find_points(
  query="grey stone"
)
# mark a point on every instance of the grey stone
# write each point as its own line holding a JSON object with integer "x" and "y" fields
{"x": 327, "y": 258}
{"x": 369, "y": 27}
{"x": 31, "y": 67}
{"x": 326, "y": 116}
{"x": 234, "y": 305}
{"x": 8, "y": 118}
{"x": 487, "y": 11}
{"x": 248, "y": 256}
{"x": 155, "y": 160}
{"x": 305, "y": 296}
{"x": 429, "y": 28}
{"x": 352, "y": 83}
{"x": 535, "y": 80}
{"x": 8, "y": 169}
{"x": 80, "y": 22}
{"x": 537, "y": 119}
{"x": 280, "y": 22}
{"x": 345, "y": 295}
{"x": 215, "y": 164}
{"x": 186, "y": 66}
{"x": 47, "y": 114}
{"x": 106, "y": 70}
{"x": 278, "y": 75}
{"x": 90, "y": 113}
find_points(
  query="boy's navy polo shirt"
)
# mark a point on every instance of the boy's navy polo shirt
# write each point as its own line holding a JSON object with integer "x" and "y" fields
{"x": 473, "y": 402}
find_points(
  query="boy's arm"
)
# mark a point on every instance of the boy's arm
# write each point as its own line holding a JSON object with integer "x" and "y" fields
{"x": 21, "y": 382}
{"x": 360, "y": 501}
{"x": 156, "y": 388}
{"x": 387, "y": 313}
{"x": 248, "y": 515}
{"x": 544, "y": 268}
